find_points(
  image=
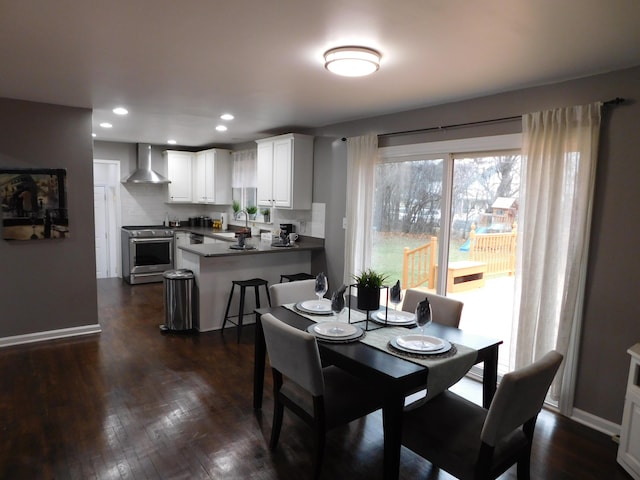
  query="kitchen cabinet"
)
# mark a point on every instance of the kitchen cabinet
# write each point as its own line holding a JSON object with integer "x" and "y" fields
{"x": 212, "y": 177}
{"x": 285, "y": 171}
{"x": 180, "y": 172}
{"x": 179, "y": 239}
{"x": 199, "y": 177}
{"x": 629, "y": 448}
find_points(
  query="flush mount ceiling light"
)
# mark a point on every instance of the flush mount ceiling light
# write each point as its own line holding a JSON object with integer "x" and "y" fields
{"x": 120, "y": 111}
{"x": 221, "y": 128}
{"x": 352, "y": 61}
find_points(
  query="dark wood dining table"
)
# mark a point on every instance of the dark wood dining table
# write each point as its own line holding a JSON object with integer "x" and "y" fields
{"x": 396, "y": 376}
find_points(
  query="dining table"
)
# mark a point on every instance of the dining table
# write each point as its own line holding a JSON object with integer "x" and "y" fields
{"x": 396, "y": 376}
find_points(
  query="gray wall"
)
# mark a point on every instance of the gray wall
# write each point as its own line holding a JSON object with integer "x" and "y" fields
{"x": 611, "y": 317}
{"x": 49, "y": 284}
{"x": 50, "y": 136}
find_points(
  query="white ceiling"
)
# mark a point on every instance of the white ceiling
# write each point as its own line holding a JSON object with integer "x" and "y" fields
{"x": 178, "y": 65}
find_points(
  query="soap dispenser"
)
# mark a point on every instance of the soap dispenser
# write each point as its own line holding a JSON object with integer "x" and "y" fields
{"x": 223, "y": 222}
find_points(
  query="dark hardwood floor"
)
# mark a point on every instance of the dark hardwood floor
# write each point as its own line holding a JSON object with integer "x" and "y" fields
{"x": 134, "y": 403}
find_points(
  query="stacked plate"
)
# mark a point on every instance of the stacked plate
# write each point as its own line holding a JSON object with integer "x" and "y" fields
{"x": 420, "y": 344}
{"x": 335, "y": 331}
{"x": 394, "y": 317}
{"x": 315, "y": 307}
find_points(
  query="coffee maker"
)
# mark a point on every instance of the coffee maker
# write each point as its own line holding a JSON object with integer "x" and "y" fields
{"x": 287, "y": 228}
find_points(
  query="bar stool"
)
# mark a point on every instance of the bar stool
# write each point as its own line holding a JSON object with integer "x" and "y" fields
{"x": 294, "y": 277}
{"x": 243, "y": 284}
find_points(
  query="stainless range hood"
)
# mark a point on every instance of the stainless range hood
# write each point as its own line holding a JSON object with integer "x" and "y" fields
{"x": 144, "y": 173}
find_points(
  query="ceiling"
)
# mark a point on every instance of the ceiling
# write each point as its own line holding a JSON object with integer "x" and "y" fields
{"x": 178, "y": 65}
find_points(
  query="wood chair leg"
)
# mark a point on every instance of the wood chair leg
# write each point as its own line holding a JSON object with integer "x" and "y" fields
{"x": 319, "y": 451}
{"x": 278, "y": 413}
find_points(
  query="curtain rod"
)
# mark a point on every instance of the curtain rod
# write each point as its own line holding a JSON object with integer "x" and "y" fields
{"x": 612, "y": 102}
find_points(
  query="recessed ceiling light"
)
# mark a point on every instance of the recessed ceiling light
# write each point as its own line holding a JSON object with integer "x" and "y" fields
{"x": 221, "y": 128}
{"x": 171, "y": 142}
{"x": 106, "y": 125}
{"x": 120, "y": 111}
{"x": 93, "y": 135}
{"x": 227, "y": 116}
{"x": 352, "y": 61}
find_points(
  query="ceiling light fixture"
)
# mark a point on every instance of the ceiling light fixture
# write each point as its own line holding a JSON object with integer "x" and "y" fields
{"x": 171, "y": 142}
{"x": 352, "y": 61}
{"x": 221, "y": 128}
{"x": 120, "y": 111}
{"x": 227, "y": 116}
{"x": 106, "y": 125}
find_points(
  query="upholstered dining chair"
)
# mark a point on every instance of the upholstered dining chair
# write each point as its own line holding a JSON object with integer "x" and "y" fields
{"x": 444, "y": 310}
{"x": 323, "y": 397}
{"x": 292, "y": 292}
{"x": 471, "y": 442}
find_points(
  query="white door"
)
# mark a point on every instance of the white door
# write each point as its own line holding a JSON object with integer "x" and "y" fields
{"x": 101, "y": 222}
{"x": 106, "y": 177}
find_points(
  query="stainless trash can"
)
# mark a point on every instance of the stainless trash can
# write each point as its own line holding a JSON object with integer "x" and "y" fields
{"x": 178, "y": 299}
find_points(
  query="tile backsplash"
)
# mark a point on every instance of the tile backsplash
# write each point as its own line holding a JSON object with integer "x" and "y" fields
{"x": 144, "y": 204}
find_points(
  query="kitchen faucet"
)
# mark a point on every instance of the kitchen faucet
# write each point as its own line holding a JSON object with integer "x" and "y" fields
{"x": 246, "y": 218}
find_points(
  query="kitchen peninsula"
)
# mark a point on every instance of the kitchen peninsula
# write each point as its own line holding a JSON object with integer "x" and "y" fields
{"x": 215, "y": 265}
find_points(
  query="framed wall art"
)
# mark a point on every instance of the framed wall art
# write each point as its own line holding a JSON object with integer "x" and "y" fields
{"x": 34, "y": 203}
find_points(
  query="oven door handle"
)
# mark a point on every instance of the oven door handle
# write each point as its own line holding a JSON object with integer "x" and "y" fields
{"x": 152, "y": 239}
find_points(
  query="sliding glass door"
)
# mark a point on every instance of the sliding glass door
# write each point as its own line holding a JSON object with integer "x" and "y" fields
{"x": 447, "y": 223}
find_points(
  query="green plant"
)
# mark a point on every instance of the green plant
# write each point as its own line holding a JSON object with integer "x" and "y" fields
{"x": 252, "y": 210}
{"x": 266, "y": 212}
{"x": 236, "y": 206}
{"x": 370, "y": 278}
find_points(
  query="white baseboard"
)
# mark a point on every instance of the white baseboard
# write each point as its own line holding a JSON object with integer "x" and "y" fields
{"x": 597, "y": 423}
{"x": 49, "y": 335}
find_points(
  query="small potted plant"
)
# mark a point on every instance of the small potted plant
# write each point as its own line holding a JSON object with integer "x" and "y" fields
{"x": 236, "y": 209}
{"x": 368, "y": 283}
{"x": 252, "y": 210}
{"x": 266, "y": 213}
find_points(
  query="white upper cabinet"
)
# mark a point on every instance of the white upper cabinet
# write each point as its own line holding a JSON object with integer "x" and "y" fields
{"x": 285, "y": 171}
{"x": 212, "y": 177}
{"x": 180, "y": 172}
{"x": 200, "y": 177}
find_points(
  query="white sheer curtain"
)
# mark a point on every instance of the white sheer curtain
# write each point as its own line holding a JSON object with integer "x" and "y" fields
{"x": 362, "y": 155}
{"x": 559, "y": 152}
{"x": 244, "y": 169}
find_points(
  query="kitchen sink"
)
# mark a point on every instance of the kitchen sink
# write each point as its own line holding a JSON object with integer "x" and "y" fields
{"x": 235, "y": 246}
{"x": 226, "y": 235}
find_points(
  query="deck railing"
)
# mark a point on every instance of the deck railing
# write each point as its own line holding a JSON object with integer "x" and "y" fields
{"x": 497, "y": 250}
{"x": 418, "y": 265}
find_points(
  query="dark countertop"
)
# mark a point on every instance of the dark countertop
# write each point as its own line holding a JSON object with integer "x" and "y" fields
{"x": 222, "y": 249}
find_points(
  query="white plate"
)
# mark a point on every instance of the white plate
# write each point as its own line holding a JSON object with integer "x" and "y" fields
{"x": 317, "y": 306}
{"x": 445, "y": 348}
{"x": 420, "y": 343}
{"x": 394, "y": 317}
{"x": 335, "y": 329}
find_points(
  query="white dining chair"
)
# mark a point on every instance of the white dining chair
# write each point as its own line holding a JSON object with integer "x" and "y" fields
{"x": 324, "y": 398}
{"x": 292, "y": 292}
{"x": 444, "y": 310}
{"x": 471, "y": 442}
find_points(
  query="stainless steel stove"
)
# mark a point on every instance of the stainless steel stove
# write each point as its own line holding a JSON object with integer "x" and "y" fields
{"x": 147, "y": 252}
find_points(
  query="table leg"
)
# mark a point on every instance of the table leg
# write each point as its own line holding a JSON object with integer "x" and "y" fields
{"x": 392, "y": 426}
{"x": 260, "y": 353}
{"x": 490, "y": 377}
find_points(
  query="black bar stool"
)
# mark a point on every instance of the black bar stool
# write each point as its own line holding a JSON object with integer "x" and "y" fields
{"x": 294, "y": 277}
{"x": 243, "y": 284}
